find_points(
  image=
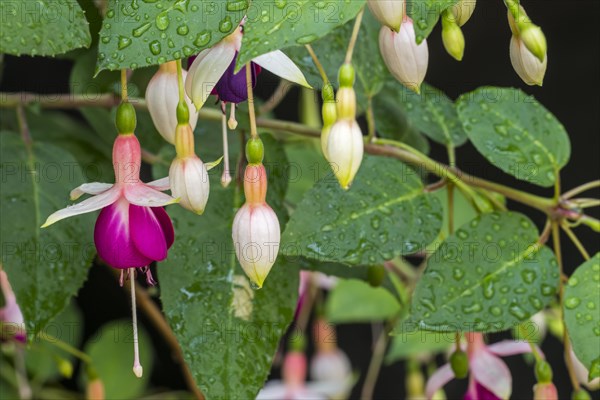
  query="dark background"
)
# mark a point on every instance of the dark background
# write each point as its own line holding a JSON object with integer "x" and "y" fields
{"x": 570, "y": 91}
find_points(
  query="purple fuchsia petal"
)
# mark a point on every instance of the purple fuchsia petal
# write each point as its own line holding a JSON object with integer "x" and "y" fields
{"x": 232, "y": 87}
{"x": 165, "y": 224}
{"x": 479, "y": 392}
{"x": 147, "y": 233}
{"x": 113, "y": 238}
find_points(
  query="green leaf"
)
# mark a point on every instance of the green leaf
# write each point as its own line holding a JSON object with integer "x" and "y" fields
{"x": 353, "y": 300}
{"x": 153, "y": 32}
{"x": 425, "y": 15}
{"x": 488, "y": 276}
{"x": 111, "y": 351}
{"x": 278, "y": 25}
{"x": 515, "y": 133}
{"x": 385, "y": 214}
{"x": 43, "y": 27}
{"x": 582, "y": 318}
{"x": 371, "y": 71}
{"x": 409, "y": 342}
{"x": 46, "y": 267}
{"x": 430, "y": 112}
{"x": 228, "y": 331}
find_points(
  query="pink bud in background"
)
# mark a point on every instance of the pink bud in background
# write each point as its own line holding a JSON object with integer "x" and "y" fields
{"x": 256, "y": 233}
{"x": 406, "y": 60}
{"x": 162, "y": 97}
{"x": 388, "y": 12}
{"x": 13, "y": 324}
{"x": 294, "y": 369}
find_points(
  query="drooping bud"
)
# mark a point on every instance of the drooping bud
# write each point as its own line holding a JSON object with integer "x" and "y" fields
{"x": 11, "y": 317}
{"x": 452, "y": 36}
{"x": 95, "y": 390}
{"x": 256, "y": 233}
{"x": 529, "y": 68}
{"x": 580, "y": 394}
{"x": 463, "y": 10}
{"x": 376, "y": 275}
{"x": 294, "y": 369}
{"x": 406, "y": 60}
{"x": 345, "y": 150}
{"x": 459, "y": 361}
{"x": 162, "y": 98}
{"x": 388, "y": 12}
{"x": 329, "y": 117}
{"x": 188, "y": 175}
{"x": 126, "y": 119}
{"x": 543, "y": 371}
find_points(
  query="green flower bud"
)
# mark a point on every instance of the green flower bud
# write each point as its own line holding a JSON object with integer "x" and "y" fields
{"x": 346, "y": 75}
{"x": 375, "y": 275}
{"x": 329, "y": 111}
{"x": 297, "y": 343}
{"x": 460, "y": 364}
{"x": 255, "y": 151}
{"x": 126, "y": 119}
{"x": 580, "y": 394}
{"x": 543, "y": 371}
{"x": 183, "y": 113}
{"x": 452, "y": 36}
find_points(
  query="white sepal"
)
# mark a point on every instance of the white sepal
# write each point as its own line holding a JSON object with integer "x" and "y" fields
{"x": 189, "y": 183}
{"x": 388, "y": 12}
{"x": 529, "y": 68}
{"x": 281, "y": 65}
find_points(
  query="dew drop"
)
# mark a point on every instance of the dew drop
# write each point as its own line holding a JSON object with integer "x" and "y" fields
{"x": 518, "y": 312}
{"x": 140, "y": 30}
{"x": 183, "y": 30}
{"x": 155, "y": 47}
{"x": 202, "y": 39}
{"x": 572, "y": 302}
{"x": 306, "y": 39}
{"x": 162, "y": 20}
{"x": 237, "y": 5}
{"x": 123, "y": 42}
{"x": 225, "y": 25}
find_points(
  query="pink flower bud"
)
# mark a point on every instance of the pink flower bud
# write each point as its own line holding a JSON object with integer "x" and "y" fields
{"x": 162, "y": 97}
{"x": 345, "y": 150}
{"x": 545, "y": 391}
{"x": 127, "y": 159}
{"x": 406, "y": 60}
{"x": 294, "y": 369}
{"x": 529, "y": 68}
{"x": 256, "y": 233}
{"x": 388, "y": 12}
{"x": 11, "y": 317}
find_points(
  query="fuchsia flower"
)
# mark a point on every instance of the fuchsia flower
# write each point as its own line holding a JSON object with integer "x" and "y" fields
{"x": 13, "y": 324}
{"x": 212, "y": 71}
{"x": 490, "y": 378}
{"x": 256, "y": 233}
{"x": 132, "y": 229}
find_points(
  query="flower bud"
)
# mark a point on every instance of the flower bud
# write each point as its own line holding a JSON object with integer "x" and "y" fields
{"x": 406, "y": 60}
{"x": 162, "y": 98}
{"x": 580, "y": 394}
{"x": 453, "y": 38}
{"x": 95, "y": 390}
{"x": 460, "y": 364}
{"x": 126, "y": 118}
{"x": 388, "y": 12}
{"x": 189, "y": 182}
{"x": 345, "y": 150}
{"x": 346, "y": 103}
{"x": 463, "y": 10}
{"x": 375, "y": 275}
{"x": 545, "y": 391}
{"x": 543, "y": 371}
{"x": 294, "y": 369}
{"x": 256, "y": 233}
{"x": 529, "y": 68}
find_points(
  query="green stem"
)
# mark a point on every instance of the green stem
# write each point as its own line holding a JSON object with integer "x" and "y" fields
{"x": 580, "y": 189}
{"x": 318, "y": 64}
{"x": 561, "y": 296}
{"x": 180, "y": 82}
{"x": 251, "y": 113}
{"x": 66, "y": 347}
{"x": 575, "y": 241}
{"x": 124, "y": 95}
{"x": 354, "y": 36}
